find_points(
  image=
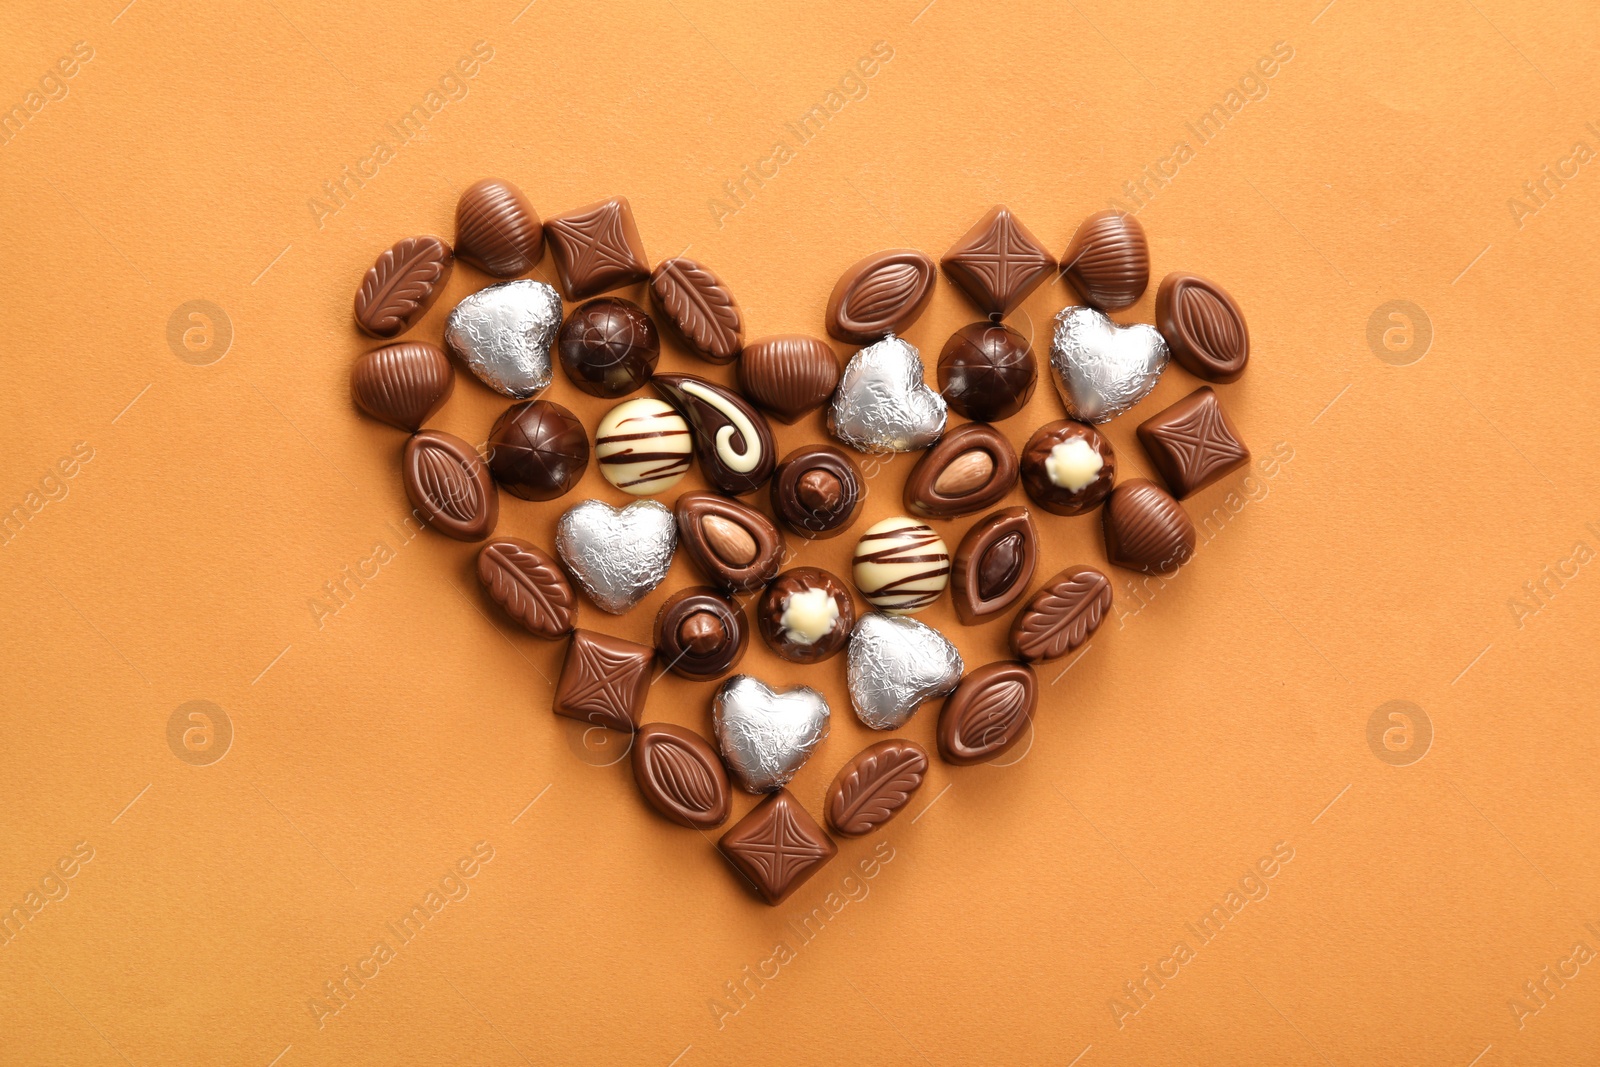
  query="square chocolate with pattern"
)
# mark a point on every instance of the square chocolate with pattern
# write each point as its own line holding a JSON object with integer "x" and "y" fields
{"x": 1193, "y": 443}
{"x": 777, "y": 846}
{"x": 604, "y": 681}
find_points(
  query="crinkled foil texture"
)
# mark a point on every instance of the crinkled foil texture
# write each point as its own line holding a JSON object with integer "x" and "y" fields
{"x": 618, "y": 556}
{"x": 504, "y": 333}
{"x": 1103, "y": 369}
{"x": 895, "y": 664}
{"x": 883, "y": 404}
{"x": 765, "y": 737}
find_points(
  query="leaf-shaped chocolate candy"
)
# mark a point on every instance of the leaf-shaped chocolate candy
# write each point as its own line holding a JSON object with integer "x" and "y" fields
{"x": 873, "y": 787}
{"x": 402, "y": 285}
{"x": 700, "y": 306}
{"x": 1062, "y": 615}
{"x": 527, "y": 582}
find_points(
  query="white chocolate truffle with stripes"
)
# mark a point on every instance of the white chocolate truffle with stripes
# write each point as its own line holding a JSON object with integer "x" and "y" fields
{"x": 901, "y": 566}
{"x": 643, "y": 446}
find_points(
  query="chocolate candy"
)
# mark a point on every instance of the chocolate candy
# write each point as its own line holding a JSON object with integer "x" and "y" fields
{"x": 503, "y": 335}
{"x": 806, "y": 615}
{"x": 617, "y": 556}
{"x": 679, "y": 774}
{"x": 699, "y": 634}
{"x": 766, "y": 736}
{"x": 1068, "y": 467}
{"x": 989, "y": 711}
{"x": 881, "y": 294}
{"x": 882, "y": 403}
{"x": 597, "y": 248}
{"x": 788, "y": 375}
{"x": 1103, "y": 369}
{"x": 735, "y": 546}
{"x": 870, "y": 789}
{"x": 1108, "y": 261}
{"x": 1193, "y": 443}
{"x": 816, "y": 491}
{"x": 732, "y": 439}
{"x": 1146, "y": 530}
{"x": 402, "y": 285}
{"x": 538, "y": 450}
{"x": 894, "y": 666}
{"x": 527, "y": 583}
{"x": 776, "y": 847}
{"x": 998, "y": 262}
{"x": 402, "y": 384}
{"x": 643, "y": 446}
{"x": 900, "y": 565}
{"x": 1203, "y": 326}
{"x": 448, "y": 484}
{"x": 1062, "y": 615}
{"x": 987, "y": 372}
{"x": 608, "y": 347}
{"x": 700, "y": 306}
{"x": 604, "y": 681}
{"x": 971, "y": 468}
{"x": 497, "y": 229}
{"x": 994, "y": 564}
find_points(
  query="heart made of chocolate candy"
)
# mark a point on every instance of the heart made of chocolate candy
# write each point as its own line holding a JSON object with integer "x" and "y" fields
{"x": 617, "y": 555}
{"x": 1103, "y": 369}
{"x": 766, "y": 735}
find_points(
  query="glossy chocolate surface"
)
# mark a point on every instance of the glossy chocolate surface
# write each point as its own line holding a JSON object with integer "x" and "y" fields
{"x": 987, "y": 372}
{"x": 529, "y": 585}
{"x": 777, "y": 846}
{"x": 1203, "y": 326}
{"x": 1068, "y": 467}
{"x": 880, "y": 294}
{"x": 806, "y": 615}
{"x": 497, "y": 229}
{"x": 597, "y": 248}
{"x": 604, "y": 681}
{"x": 735, "y": 546}
{"x": 700, "y": 307}
{"x": 788, "y": 374}
{"x": 994, "y": 564}
{"x": 900, "y": 565}
{"x": 816, "y": 491}
{"x": 968, "y": 469}
{"x": 608, "y": 347}
{"x": 402, "y": 285}
{"x": 1146, "y": 529}
{"x": 538, "y": 450}
{"x": 1193, "y": 443}
{"x": 988, "y": 713}
{"x": 1108, "y": 261}
{"x": 732, "y": 439}
{"x": 680, "y": 775}
{"x": 402, "y": 384}
{"x": 643, "y": 446}
{"x": 873, "y": 787}
{"x": 1062, "y": 615}
{"x": 700, "y": 634}
{"x": 998, "y": 263}
{"x": 448, "y": 484}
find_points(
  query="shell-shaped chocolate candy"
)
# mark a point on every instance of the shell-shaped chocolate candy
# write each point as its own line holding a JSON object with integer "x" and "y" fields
{"x": 994, "y": 564}
{"x": 402, "y": 285}
{"x": 402, "y": 384}
{"x": 987, "y": 713}
{"x": 968, "y": 469}
{"x": 873, "y": 787}
{"x": 881, "y": 294}
{"x": 449, "y": 485}
{"x": 1146, "y": 529}
{"x": 1108, "y": 261}
{"x": 788, "y": 374}
{"x": 1203, "y": 326}
{"x": 680, "y": 776}
{"x": 497, "y": 229}
{"x": 695, "y": 301}
{"x": 737, "y": 547}
{"x": 732, "y": 439}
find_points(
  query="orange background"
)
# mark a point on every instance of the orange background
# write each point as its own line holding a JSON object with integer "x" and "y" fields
{"x": 1220, "y": 717}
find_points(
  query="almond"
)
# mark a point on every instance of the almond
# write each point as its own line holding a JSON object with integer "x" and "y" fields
{"x": 966, "y": 473}
{"x": 730, "y": 541}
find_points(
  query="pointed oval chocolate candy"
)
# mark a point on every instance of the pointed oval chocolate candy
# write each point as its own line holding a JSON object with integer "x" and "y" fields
{"x": 987, "y": 713}
{"x": 449, "y": 485}
{"x": 873, "y": 787}
{"x": 402, "y": 285}
{"x": 679, "y": 774}
{"x": 695, "y": 301}
{"x": 881, "y": 294}
{"x": 994, "y": 564}
{"x": 1203, "y": 326}
{"x": 1062, "y": 615}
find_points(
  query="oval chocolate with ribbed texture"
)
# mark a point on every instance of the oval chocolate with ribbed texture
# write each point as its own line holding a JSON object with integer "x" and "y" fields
{"x": 737, "y": 547}
{"x": 680, "y": 776}
{"x": 994, "y": 564}
{"x": 789, "y": 374}
{"x": 497, "y": 229}
{"x": 1146, "y": 529}
{"x": 1203, "y": 326}
{"x": 1062, "y": 615}
{"x": 402, "y": 384}
{"x": 527, "y": 583}
{"x": 1108, "y": 261}
{"x": 968, "y": 469}
{"x": 870, "y": 789}
{"x": 402, "y": 285}
{"x": 695, "y": 301}
{"x": 987, "y": 713}
{"x": 449, "y": 485}
{"x": 881, "y": 294}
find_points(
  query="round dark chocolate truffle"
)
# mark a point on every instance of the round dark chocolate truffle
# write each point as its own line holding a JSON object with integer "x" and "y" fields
{"x": 816, "y": 490}
{"x": 986, "y": 371}
{"x": 608, "y": 347}
{"x": 700, "y": 634}
{"x": 1068, "y": 467}
{"x": 806, "y": 615}
{"x": 538, "y": 450}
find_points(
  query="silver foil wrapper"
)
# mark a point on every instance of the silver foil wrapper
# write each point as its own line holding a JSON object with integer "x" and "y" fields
{"x": 1103, "y": 369}
{"x": 883, "y": 404}
{"x": 766, "y": 736}
{"x": 895, "y": 665}
{"x": 618, "y": 556}
{"x": 504, "y": 333}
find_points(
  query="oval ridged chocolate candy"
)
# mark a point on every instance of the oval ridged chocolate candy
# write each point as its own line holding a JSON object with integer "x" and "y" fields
{"x": 1203, "y": 326}
{"x": 789, "y": 374}
{"x": 1146, "y": 529}
{"x": 449, "y": 485}
{"x": 402, "y": 384}
{"x": 969, "y": 469}
{"x": 1108, "y": 261}
{"x": 736, "y": 546}
{"x": 527, "y": 583}
{"x": 402, "y": 285}
{"x": 881, "y": 294}
{"x": 994, "y": 564}
{"x": 1062, "y": 615}
{"x": 679, "y": 774}
{"x": 987, "y": 713}
{"x": 695, "y": 301}
{"x": 873, "y": 787}
{"x": 700, "y": 634}
{"x": 731, "y": 438}
{"x": 497, "y": 229}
